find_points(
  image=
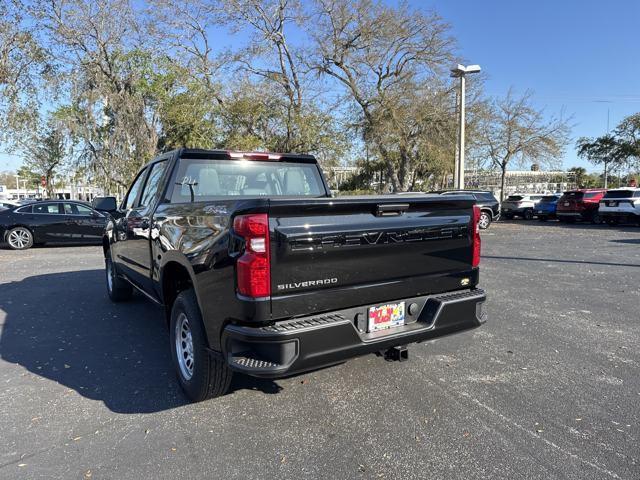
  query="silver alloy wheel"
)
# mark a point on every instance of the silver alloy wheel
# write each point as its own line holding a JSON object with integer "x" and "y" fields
{"x": 484, "y": 221}
{"x": 184, "y": 346}
{"x": 19, "y": 238}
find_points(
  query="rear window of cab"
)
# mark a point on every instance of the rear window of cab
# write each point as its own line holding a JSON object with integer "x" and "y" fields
{"x": 202, "y": 180}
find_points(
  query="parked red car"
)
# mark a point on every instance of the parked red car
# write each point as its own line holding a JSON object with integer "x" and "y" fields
{"x": 581, "y": 204}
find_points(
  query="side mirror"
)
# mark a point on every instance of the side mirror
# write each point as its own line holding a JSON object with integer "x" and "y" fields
{"x": 105, "y": 204}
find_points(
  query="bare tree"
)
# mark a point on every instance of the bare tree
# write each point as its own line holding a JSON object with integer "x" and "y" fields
{"x": 184, "y": 26}
{"x": 377, "y": 54}
{"x": 514, "y": 131}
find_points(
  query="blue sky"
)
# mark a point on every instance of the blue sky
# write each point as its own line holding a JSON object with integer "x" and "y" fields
{"x": 579, "y": 57}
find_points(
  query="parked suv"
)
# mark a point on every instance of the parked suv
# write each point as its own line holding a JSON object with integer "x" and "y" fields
{"x": 620, "y": 205}
{"x": 546, "y": 208}
{"x": 581, "y": 204}
{"x": 488, "y": 203}
{"x": 521, "y": 205}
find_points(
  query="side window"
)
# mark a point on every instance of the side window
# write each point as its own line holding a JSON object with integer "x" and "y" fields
{"x": 26, "y": 209}
{"x": 47, "y": 208}
{"x": 151, "y": 187}
{"x": 70, "y": 209}
{"x": 134, "y": 190}
{"x": 83, "y": 210}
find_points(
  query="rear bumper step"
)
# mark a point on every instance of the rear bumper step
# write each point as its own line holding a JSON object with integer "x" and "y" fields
{"x": 303, "y": 344}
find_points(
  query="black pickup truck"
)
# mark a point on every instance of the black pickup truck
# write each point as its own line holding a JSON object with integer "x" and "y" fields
{"x": 261, "y": 271}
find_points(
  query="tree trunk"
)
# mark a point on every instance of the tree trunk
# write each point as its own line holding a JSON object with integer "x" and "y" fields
{"x": 503, "y": 174}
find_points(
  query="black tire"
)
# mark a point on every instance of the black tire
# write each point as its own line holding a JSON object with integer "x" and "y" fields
{"x": 542, "y": 218}
{"x": 485, "y": 220}
{"x": 528, "y": 214}
{"x": 596, "y": 219}
{"x": 19, "y": 238}
{"x": 118, "y": 288}
{"x": 612, "y": 222}
{"x": 508, "y": 216}
{"x": 209, "y": 375}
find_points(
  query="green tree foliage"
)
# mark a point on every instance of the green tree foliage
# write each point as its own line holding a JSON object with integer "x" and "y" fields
{"x": 605, "y": 150}
{"x": 24, "y": 70}
{"x": 45, "y": 152}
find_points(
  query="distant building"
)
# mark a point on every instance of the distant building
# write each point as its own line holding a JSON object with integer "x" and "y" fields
{"x": 522, "y": 181}
{"x": 72, "y": 192}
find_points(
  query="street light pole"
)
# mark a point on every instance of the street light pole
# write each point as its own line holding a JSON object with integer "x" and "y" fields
{"x": 460, "y": 72}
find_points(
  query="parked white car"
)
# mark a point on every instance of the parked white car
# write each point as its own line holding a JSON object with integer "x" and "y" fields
{"x": 620, "y": 205}
{"x": 520, "y": 205}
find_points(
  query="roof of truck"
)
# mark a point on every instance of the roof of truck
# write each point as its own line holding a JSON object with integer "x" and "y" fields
{"x": 234, "y": 154}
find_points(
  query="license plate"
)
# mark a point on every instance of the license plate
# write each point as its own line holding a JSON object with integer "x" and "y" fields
{"x": 566, "y": 204}
{"x": 612, "y": 204}
{"x": 386, "y": 316}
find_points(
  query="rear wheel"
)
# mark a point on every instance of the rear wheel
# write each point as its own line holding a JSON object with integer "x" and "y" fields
{"x": 596, "y": 219}
{"x": 542, "y": 218}
{"x": 484, "y": 221}
{"x": 508, "y": 216}
{"x": 20, "y": 238}
{"x": 612, "y": 221}
{"x": 119, "y": 289}
{"x": 528, "y": 214}
{"x": 201, "y": 375}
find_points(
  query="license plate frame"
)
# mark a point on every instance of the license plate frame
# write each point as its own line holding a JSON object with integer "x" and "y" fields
{"x": 386, "y": 316}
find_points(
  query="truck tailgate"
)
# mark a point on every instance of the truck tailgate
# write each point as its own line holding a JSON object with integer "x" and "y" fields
{"x": 329, "y": 253}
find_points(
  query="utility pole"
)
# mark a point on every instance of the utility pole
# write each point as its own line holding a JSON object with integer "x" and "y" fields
{"x": 460, "y": 72}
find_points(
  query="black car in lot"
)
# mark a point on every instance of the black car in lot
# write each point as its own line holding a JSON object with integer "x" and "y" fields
{"x": 488, "y": 203}
{"x": 51, "y": 221}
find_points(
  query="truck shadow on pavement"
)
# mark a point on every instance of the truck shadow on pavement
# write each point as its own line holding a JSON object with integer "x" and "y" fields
{"x": 63, "y": 327}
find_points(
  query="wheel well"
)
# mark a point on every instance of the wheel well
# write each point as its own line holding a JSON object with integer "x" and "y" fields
{"x": 105, "y": 246}
{"x": 175, "y": 279}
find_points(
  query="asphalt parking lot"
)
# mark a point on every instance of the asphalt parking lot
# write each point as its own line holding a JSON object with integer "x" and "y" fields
{"x": 548, "y": 388}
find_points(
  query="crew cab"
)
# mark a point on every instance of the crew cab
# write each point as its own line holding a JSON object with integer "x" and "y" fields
{"x": 261, "y": 271}
{"x": 620, "y": 205}
{"x": 580, "y": 205}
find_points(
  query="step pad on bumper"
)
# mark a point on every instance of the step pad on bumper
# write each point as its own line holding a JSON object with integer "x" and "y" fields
{"x": 289, "y": 325}
{"x": 253, "y": 363}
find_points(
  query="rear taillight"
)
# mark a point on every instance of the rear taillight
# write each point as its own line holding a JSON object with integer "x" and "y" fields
{"x": 476, "y": 236}
{"x": 254, "y": 266}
